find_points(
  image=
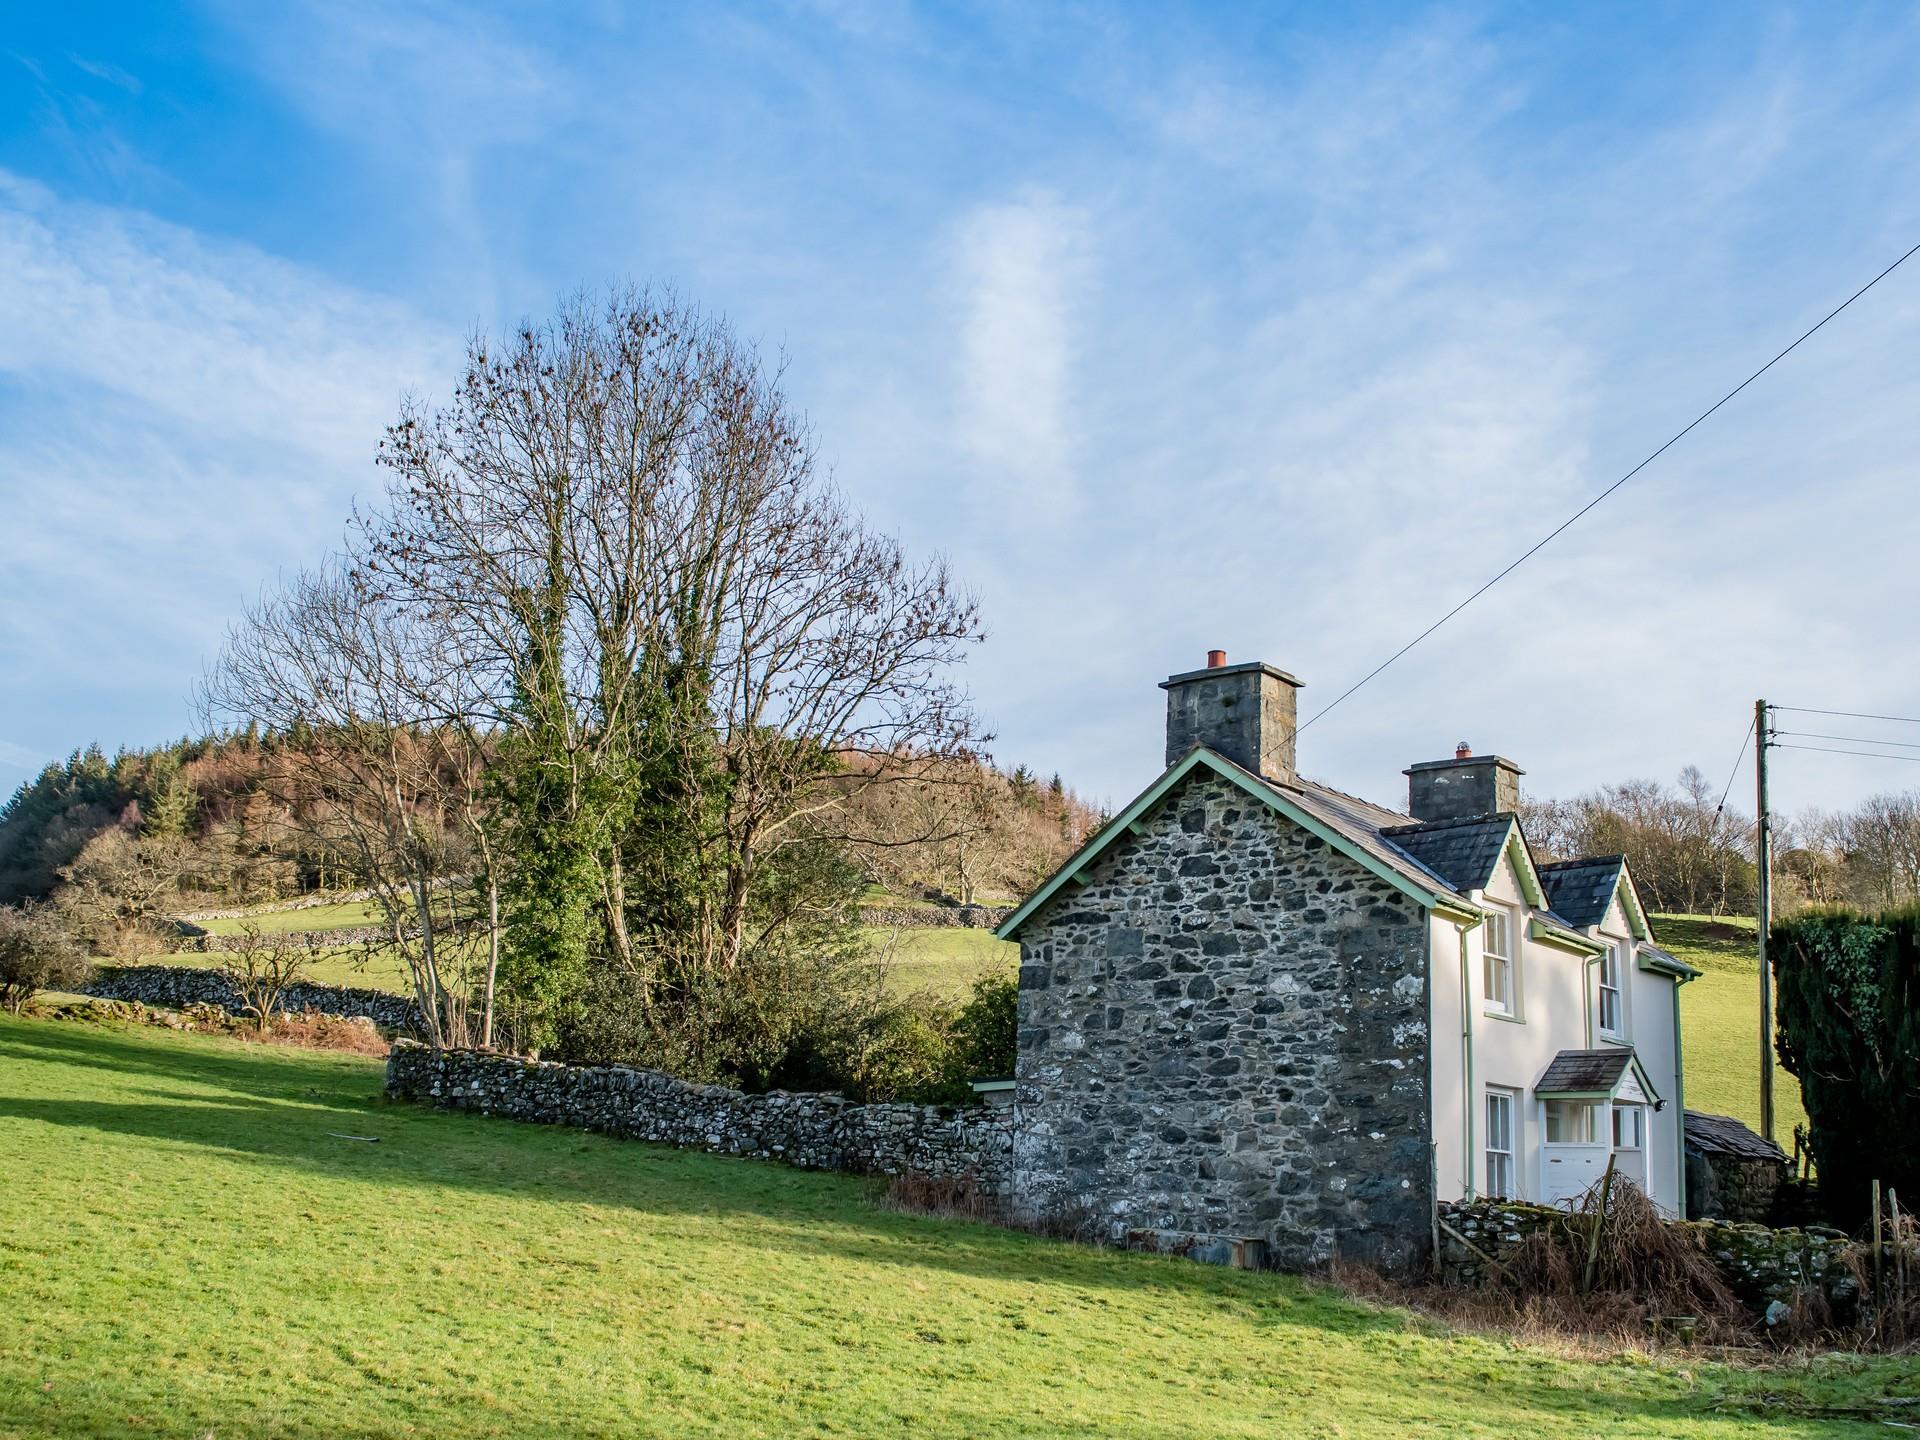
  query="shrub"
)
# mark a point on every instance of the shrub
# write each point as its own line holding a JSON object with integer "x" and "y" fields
{"x": 1848, "y": 1016}
{"x": 37, "y": 953}
{"x": 986, "y": 1031}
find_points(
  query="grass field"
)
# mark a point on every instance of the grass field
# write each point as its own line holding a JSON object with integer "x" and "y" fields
{"x": 188, "y": 1247}
{"x": 945, "y": 961}
{"x": 1720, "y": 1021}
{"x": 342, "y": 916}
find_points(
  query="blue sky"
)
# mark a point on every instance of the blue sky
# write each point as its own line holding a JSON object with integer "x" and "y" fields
{"x": 1176, "y": 328}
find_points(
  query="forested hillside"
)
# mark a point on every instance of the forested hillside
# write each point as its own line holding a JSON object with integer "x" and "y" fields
{"x": 204, "y": 824}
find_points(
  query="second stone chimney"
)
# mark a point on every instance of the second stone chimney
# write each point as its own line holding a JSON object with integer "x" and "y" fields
{"x": 1468, "y": 784}
{"x": 1244, "y": 712}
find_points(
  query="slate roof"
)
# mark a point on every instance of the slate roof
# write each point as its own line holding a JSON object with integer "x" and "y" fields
{"x": 1584, "y": 1072}
{"x": 1581, "y": 890}
{"x": 1361, "y": 821}
{"x": 1724, "y": 1135}
{"x": 1464, "y": 851}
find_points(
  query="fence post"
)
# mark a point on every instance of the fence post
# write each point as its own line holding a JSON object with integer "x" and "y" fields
{"x": 1599, "y": 1223}
{"x": 1877, "y": 1289}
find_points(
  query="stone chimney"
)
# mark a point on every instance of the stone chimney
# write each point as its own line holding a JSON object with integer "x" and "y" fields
{"x": 1468, "y": 784}
{"x": 1244, "y": 712}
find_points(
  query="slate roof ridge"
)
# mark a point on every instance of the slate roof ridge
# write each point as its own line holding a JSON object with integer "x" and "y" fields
{"x": 1425, "y": 827}
{"x": 1306, "y": 783}
{"x": 1580, "y": 861}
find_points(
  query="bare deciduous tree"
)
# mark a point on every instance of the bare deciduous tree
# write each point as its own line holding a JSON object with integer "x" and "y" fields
{"x": 378, "y": 779}
{"x": 262, "y": 966}
{"x": 621, "y": 520}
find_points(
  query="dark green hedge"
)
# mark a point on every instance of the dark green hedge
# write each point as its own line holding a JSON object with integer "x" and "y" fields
{"x": 1848, "y": 1025}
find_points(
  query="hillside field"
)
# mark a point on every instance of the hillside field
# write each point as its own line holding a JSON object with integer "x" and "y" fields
{"x": 192, "y": 1244}
{"x": 1720, "y": 1022}
{"x": 942, "y": 960}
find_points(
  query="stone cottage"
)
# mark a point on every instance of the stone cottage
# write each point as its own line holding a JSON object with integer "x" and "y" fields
{"x": 1258, "y": 1015}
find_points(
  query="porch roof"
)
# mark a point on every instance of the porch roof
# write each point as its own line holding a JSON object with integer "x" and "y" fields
{"x": 1592, "y": 1074}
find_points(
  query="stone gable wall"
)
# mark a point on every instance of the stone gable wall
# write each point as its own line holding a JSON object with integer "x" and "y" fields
{"x": 811, "y": 1131}
{"x": 1223, "y": 1035}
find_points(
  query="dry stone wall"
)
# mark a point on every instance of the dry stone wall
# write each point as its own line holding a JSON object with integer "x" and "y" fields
{"x": 1732, "y": 1187}
{"x": 349, "y": 937}
{"x": 1223, "y": 1037}
{"x": 933, "y": 917}
{"x": 811, "y": 1131}
{"x": 174, "y": 987}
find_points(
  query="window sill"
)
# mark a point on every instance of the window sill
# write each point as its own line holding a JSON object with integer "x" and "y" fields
{"x": 1622, "y": 1040}
{"x": 1506, "y": 1015}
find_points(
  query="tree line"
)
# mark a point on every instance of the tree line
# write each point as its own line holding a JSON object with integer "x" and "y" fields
{"x": 1692, "y": 855}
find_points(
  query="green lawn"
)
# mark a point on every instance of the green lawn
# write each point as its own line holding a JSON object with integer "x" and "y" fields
{"x": 945, "y": 961}
{"x": 342, "y": 916}
{"x": 1720, "y": 1021}
{"x": 187, "y": 1248}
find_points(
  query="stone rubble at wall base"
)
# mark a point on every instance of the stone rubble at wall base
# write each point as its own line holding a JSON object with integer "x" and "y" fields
{"x": 810, "y": 1131}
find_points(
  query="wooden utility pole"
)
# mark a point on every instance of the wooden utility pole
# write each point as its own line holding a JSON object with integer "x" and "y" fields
{"x": 1763, "y": 846}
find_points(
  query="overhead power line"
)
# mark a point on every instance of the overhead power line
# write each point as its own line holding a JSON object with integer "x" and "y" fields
{"x": 1853, "y": 739}
{"x": 1566, "y": 524}
{"x": 1732, "y": 774}
{"x": 1848, "y": 714}
{"x": 1857, "y": 754}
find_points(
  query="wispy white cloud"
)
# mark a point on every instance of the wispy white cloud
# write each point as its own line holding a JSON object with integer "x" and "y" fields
{"x": 185, "y": 418}
{"x": 1021, "y": 269}
{"x": 1253, "y": 331}
{"x": 110, "y": 73}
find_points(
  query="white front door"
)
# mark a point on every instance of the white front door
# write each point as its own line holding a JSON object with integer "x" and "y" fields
{"x": 1630, "y": 1142}
{"x": 1573, "y": 1152}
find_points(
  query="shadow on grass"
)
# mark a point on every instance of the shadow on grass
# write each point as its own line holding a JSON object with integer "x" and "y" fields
{"x": 281, "y": 1107}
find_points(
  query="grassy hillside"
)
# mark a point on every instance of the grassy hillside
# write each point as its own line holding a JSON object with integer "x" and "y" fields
{"x": 342, "y": 916}
{"x": 1720, "y": 1020}
{"x": 945, "y": 961}
{"x": 189, "y": 1245}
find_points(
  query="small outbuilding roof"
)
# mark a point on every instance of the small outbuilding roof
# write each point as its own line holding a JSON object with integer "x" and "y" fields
{"x": 1724, "y": 1135}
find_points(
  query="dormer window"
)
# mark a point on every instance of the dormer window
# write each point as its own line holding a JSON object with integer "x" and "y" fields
{"x": 1497, "y": 969}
